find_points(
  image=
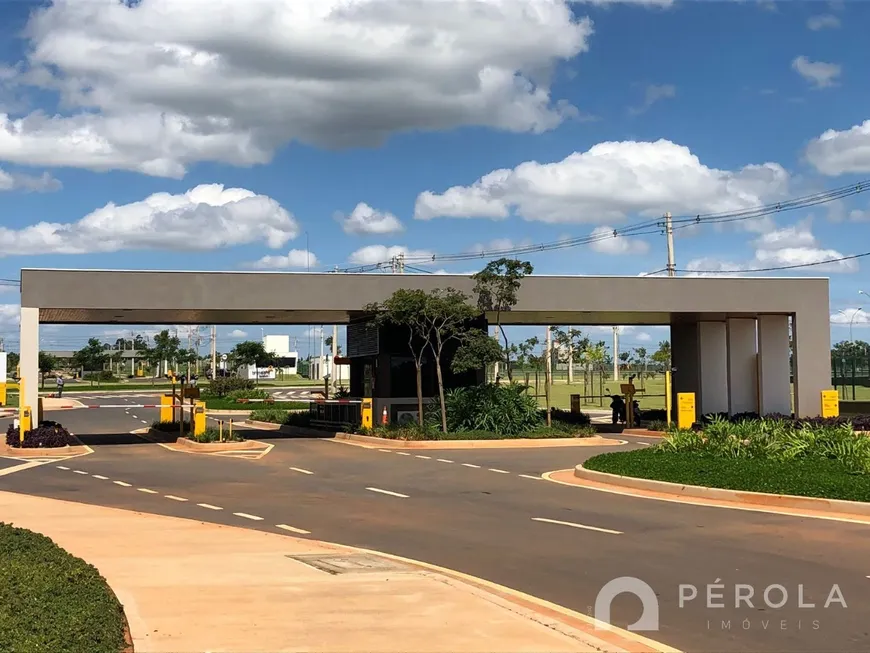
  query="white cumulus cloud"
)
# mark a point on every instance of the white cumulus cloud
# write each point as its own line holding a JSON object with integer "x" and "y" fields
{"x": 365, "y": 220}
{"x": 794, "y": 245}
{"x": 841, "y": 152}
{"x": 854, "y": 316}
{"x": 823, "y": 21}
{"x": 204, "y": 218}
{"x": 383, "y": 254}
{"x": 295, "y": 258}
{"x": 607, "y": 243}
{"x": 9, "y": 314}
{"x": 43, "y": 183}
{"x": 238, "y": 333}
{"x": 607, "y": 183}
{"x": 156, "y": 85}
{"x": 819, "y": 73}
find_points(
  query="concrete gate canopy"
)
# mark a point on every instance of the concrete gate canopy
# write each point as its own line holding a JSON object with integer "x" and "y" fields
{"x": 729, "y": 336}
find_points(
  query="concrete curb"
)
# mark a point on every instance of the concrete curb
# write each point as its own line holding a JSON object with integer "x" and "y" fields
{"x": 384, "y": 443}
{"x": 761, "y": 499}
{"x": 212, "y": 447}
{"x": 69, "y": 450}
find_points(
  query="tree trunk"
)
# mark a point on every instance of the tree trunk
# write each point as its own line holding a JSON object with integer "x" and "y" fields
{"x": 419, "y": 392}
{"x": 441, "y": 392}
{"x": 601, "y": 387}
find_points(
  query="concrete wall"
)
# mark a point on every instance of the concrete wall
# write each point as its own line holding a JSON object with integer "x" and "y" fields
{"x": 742, "y": 366}
{"x": 713, "y": 361}
{"x": 773, "y": 360}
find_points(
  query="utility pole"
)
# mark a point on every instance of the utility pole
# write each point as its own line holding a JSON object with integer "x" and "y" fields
{"x": 669, "y": 231}
{"x": 401, "y": 260}
{"x": 213, "y": 351}
{"x": 334, "y": 354}
{"x": 548, "y": 375}
{"x": 320, "y": 371}
{"x": 616, "y": 353}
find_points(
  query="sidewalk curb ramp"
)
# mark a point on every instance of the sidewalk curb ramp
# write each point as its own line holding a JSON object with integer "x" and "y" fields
{"x": 740, "y": 497}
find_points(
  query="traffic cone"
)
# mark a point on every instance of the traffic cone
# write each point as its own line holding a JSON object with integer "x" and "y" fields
{"x": 384, "y": 416}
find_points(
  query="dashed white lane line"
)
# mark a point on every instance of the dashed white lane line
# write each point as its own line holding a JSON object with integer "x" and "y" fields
{"x": 147, "y": 491}
{"x": 573, "y": 525}
{"x": 78, "y": 471}
{"x": 247, "y": 516}
{"x": 499, "y": 471}
{"x": 385, "y": 451}
{"x": 646, "y": 444}
{"x": 122, "y": 483}
{"x": 301, "y": 471}
{"x": 392, "y": 494}
{"x": 143, "y": 421}
{"x": 534, "y": 478}
{"x": 470, "y": 465}
{"x": 172, "y": 497}
{"x": 403, "y": 453}
{"x": 443, "y": 460}
{"x": 102, "y": 478}
{"x": 423, "y": 457}
{"x": 135, "y": 417}
{"x": 208, "y": 506}
{"x": 285, "y": 527}
{"x": 66, "y": 469}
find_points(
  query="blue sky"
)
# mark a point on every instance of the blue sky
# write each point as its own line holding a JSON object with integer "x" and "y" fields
{"x": 374, "y": 129}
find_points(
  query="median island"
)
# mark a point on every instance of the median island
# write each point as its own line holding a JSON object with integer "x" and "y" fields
{"x": 775, "y": 455}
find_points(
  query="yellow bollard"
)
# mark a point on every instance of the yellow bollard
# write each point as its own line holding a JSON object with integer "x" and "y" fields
{"x": 220, "y": 430}
{"x": 166, "y": 409}
{"x": 668, "y": 397}
{"x": 198, "y": 419}
{"x": 231, "y": 431}
{"x": 25, "y": 423}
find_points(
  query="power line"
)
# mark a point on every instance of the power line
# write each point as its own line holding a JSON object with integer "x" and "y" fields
{"x": 780, "y": 267}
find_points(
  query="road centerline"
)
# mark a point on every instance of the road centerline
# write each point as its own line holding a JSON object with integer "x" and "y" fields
{"x": 301, "y": 471}
{"x": 471, "y": 465}
{"x": 575, "y": 525}
{"x": 122, "y": 483}
{"x": 292, "y": 529}
{"x": 245, "y": 515}
{"x": 208, "y": 506}
{"x": 498, "y": 471}
{"x": 388, "y": 492}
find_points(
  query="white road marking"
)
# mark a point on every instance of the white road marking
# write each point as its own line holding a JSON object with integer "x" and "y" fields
{"x": 147, "y": 491}
{"x": 174, "y": 498}
{"x": 385, "y": 451}
{"x": 247, "y": 516}
{"x": 78, "y": 471}
{"x": 424, "y": 457}
{"x": 21, "y": 467}
{"x": 534, "y": 478}
{"x": 498, "y": 471}
{"x": 285, "y": 527}
{"x": 392, "y": 494}
{"x": 443, "y": 460}
{"x": 573, "y": 525}
{"x": 66, "y": 469}
{"x": 403, "y": 453}
{"x": 209, "y": 506}
{"x": 122, "y": 483}
{"x": 646, "y": 444}
{"x": 470, "y": 465}
{"x": 102, "y": 478}
{"x": 300, "y": 470}
{"x": 143, "y": 421}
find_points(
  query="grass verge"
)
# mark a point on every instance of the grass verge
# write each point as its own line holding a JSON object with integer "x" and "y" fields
{"x": 52, "y": 601}
{"x": 810, "y": 477}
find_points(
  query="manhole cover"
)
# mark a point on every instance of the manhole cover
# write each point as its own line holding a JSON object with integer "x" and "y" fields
{"x": 351, "y": 563}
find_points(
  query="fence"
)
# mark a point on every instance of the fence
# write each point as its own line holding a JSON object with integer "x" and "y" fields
{"x": 338, "y": 414}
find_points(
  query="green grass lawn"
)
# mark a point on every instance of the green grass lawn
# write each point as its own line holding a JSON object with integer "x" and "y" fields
{"x": 11, "y": 400}
{"x": 223, "y": 403}
{"x": 52, "y": 601}
{"x": 811, "y": 477}
{"x": 653, "y": 395}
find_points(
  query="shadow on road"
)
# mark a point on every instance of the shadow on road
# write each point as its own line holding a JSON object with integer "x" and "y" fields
{"x": 99, "y": 439}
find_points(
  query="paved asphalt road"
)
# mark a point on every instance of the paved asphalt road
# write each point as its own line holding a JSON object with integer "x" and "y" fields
{"x": 480, "y": 512}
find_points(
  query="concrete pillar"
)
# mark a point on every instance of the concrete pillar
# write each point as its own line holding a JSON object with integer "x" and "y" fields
{"x": 742, "y": 366}
{"x": 684, "y": 360}
{"x": 30, "y": 357}
{"x": 812, "y": 360}
{"x": 773, "y": 363}
{"x": 713, "y": 363}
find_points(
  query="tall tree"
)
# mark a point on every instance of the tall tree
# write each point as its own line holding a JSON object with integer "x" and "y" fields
{"x": 496, "y": 287}
{"x": 47, "y": 364}
{"x": 641, "y": 354}
{"x": 571, "y": 346}
{"x": 447, "y": 315}
{"x": 12, "y": 362}
{"x": 328, "y": 343}
{"x": 478, "y": 350}
{"x": 598, "y": 357}
{"x": 252, "y": 353}
{"x": 662, "y": 356}
{"x": 407, "y": 308}
{"x": 166, "y": 348}
{"x": 91, "y": 357}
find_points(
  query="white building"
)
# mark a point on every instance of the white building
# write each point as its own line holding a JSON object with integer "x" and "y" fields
{"x": 285, "y": 365}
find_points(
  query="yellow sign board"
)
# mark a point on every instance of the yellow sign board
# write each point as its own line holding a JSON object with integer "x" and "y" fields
{"x": 685, "y": 409}
{"x": 830, "y": 403}
{"x": 198, "y": 419}
{"x": 367, "y": 414}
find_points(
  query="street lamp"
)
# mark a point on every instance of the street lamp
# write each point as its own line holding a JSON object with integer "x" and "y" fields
{"x": 851, "y": 320}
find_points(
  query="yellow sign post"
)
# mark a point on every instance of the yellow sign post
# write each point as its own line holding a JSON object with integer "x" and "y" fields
{"x": 367, "y": 414}
{"x": 685, "y": 409}
{"x": 830, "y": 403}
{"x": 668, "y": 396}
{"x": 198, "y": 419}
{"x": 166, "y": 409}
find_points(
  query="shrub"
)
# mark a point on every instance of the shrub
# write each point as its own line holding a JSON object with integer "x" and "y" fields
{"x": 341, "y": 393}
{"x": 654, "y": 415}
{"x": 235, "y": 395}
{"x": 858, "y": 422}
{"x": 500, "y": 409}
{"x": 213, "y": 434}
{"x": 170, "y": 427}
{"x": 567, "y": 417}
{"x": 657, "y": 425}
{"x": 46, "y": 435}
{"x": 103, "y": 375}
{"x": 221, "y": 386}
